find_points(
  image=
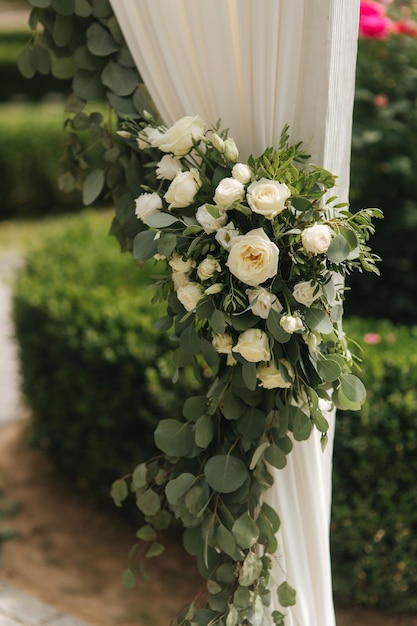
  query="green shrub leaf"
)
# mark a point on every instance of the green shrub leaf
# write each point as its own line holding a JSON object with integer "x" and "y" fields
{"x": 174, "y": 438}
{"x": 286, "y": 595}
{"x": 225, "y": 473}
{"x": 245, "y": 531}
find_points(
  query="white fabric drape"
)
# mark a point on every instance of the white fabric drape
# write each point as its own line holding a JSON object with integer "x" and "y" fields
{"x": 257, "y": 65}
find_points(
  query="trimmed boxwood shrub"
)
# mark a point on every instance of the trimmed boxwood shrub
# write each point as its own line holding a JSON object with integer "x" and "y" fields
{"x": 374, "y": 528}
{"x": 94, "y": 372}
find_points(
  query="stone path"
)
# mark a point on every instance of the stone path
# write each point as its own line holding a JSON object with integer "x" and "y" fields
{"x": 17, "y": 608}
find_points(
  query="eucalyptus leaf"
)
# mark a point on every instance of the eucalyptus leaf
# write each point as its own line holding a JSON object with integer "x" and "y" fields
{"x": 93, "y": 186}
{"x": 148, "y": 502}
{"x": 339, "y": 249}
{"x": 353, "y": 388}
{"x": 189, "y": 340}
{"x": 63, "y": 7}
{"x": 275, "y": 328}
{"x": 272, "y": 516}
{"x": 119, "y": 491}
{"x": 301, "y": 426}
{"x": 226, "y": 541}
{"x": 250, "y": 570}
{"x": 225, "y": 473}
{"x": 251, "y": 424}
{"x": 329, "y": 370}
{"x": 174, "y": 438}
{"x": 144, "y": 245}
{"x": 245, "y": 531}
{"x": 258, "y": 454}
{"x": 87, "y": 85}
{"x": 167, "y": 243}
{"x": 232, "y": 407}
{"x": 194, "y": 407}
{"x": 129, "y": 578}
{"x": 99, "y": 40}
{"x": 41, "y": 4}
{"x": 160, "y": 220}
{"x": 25, "y": 63}
{"x": 275, "y": 456}
{"x": 317, "y": 319}
{"x": 204, "y": 431}
{"x": 146, "y": 533}
{"x": 139, "y": 476}
{"x": 155, "y": 550}
{"x": 121, "y": 80}
{"x": 63, "y": 30}
{"x": 218, "y": 323}
{"x": 176, "y": 488}
{"x": 41, "y": 59}
{"x": 249, "y": 375}
{"x": 286, "y": 595}
{"x": 209, "y": 353}
{"x": 82, "y": 8}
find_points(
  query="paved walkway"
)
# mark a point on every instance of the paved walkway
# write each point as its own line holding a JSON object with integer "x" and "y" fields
{"x": 17, "y": 608}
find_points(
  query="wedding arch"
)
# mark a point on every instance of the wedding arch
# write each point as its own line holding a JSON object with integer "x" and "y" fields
{"x": 275, "y": 74}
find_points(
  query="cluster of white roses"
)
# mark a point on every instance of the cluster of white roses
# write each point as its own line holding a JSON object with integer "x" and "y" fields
{"x": 251, "y": 257}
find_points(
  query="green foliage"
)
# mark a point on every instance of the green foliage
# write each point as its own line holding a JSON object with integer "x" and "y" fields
{"x": 31, "y": 139}
{"x": 94, "y": 371}
{"x": 14, "y": 86}
{"x": 374, "y": 531}
{"x": 384, "y": 174}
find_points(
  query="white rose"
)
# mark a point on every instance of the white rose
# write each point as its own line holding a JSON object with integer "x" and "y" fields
{"x": 207, "y": 268}
{"x": 304, "y": 292}
{"x": 316, "y": 239}
{"x": 183, "y": 189}
{"x": 230, "y": 150}
{"x": 179, "y": 265}
{"x": 189, "y": 295}
{"x": 180, "y": 279}
{"x": 291, "y": 323}
{"x": 262, "y": 301}
{"x": 228, "y": 191}
{"x": 313, "y": 340}
{"x": 253, "y": 345}
{"x": 267, "y": 197}
{"x": 168, "y": 167}
{"x": 211, "y": 218}
{"x": 271, "y": 378}
{"x": 147, "y": 136}
{"x": 253, "y": 258}
{"x": 225, "y": 235}
{"x": 181, "y": 137}
{"x": 147, "y": 204}
{"x": 223, "y": 343}
{"x": 242, "y": 173}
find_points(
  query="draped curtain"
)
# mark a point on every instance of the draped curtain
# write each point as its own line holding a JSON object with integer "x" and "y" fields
{"x": 257, "y": 65}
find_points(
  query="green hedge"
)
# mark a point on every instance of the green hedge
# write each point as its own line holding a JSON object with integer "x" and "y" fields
{"x": 374, "y": 528}
{"x": 94, "y": 371}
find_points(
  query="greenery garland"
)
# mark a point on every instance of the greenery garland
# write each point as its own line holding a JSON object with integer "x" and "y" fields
{"x": 269, "y": 351}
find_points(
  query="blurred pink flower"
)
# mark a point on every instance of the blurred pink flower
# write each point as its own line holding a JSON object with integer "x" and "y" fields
{"x": 406, "y": 27}
{"x": 372, "y": 338}
{"x": 381, "y": 100}
{"x": 372, "y": 21}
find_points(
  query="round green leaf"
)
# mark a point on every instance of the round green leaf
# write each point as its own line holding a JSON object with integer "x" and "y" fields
{"x": 317, "y": 319}
{"x": 93, "y": 186}
{"x": 128, "y": 576}
{"x": 63, "y": 7}
{"x": 225, "y": 473}
{"x": 160, "y": 220}
{"x": 99, "y": 40}
{"x": 353, "y": 388}
{"x": 121, "y": 80}
{"x": 40, "y": 4}
{"x": 145, "y": 245}
{"x": 275, "y": 456}
{"x": 301, "y": 204}
{"x": 82, "y": 8}
{"x": 204, "y": 431}
{"x": 63, "y": 30}
{"x": 25, "y": 63}
{"x": 41, "y": 59}
{"x": 226, "y": 541}
{"x": 167, "y": 243}
{"x": 148, "y": 502}
{"x": 194, "y": 407}
{"x": 146, "y": 533}
{"x": 286, "y": 595}
{"x": 88, "y": 85}
{"x": 302, "y": 426}
{"x": 155, "y": 550}
{"x": 63, "y": 67}
{"x": 245, "y": 531}
{"x": 193, "y": 541}
{"x": 329, "y": 370}
{"x": 272, "y": 516}
{"x": 178, "y": 487}
{"x": 339, "y": 249}
{"x": 119, "y": 491}
{"x": 174, "y": 438}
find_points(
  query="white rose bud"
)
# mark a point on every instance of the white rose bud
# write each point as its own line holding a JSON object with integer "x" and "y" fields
{"x": 313, "y": 340}
{"x": 147, "y": 137}
{"x": 230, "y": 150}
{"x": 253, "y": 345}
{"x": 218, "y": 143}
{"x": 253, "y": 258}
{"x": 183, "y": 189}
{"x": 242, "y": 173}
{"x": 207, "y": 268}
{"x": 147, "y": 204}
{"x": 213, "y": 289}
{"x": 316, "y": 239}
{"x": 211, "y": 218}
{"x": 179, "y": 265}
{"x": 223, "y": 343}
{"x": 189, "y": 295}
{"x": 267, "y": 197}
{"x": 168, "y": 167}
{"x": 270, "y": 378}
{"x": 229, "y": 190}
{"x": 225, "y": 235}
{"x": 291, "y": 323}
{"x": 181, "y": 137}
{"x": 262, "y": 301}
{"x": 303, "y": 292}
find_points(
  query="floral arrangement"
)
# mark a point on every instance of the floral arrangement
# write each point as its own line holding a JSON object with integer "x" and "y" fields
{"x": 252, "y": 259}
